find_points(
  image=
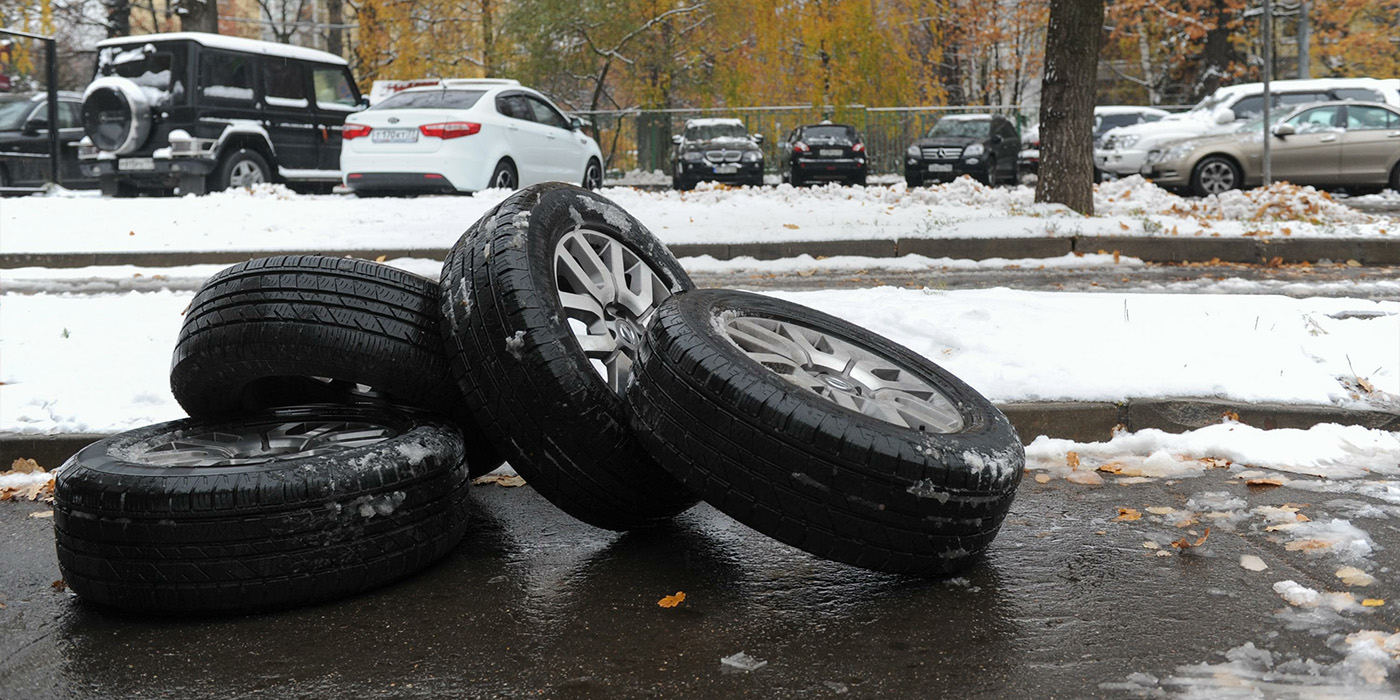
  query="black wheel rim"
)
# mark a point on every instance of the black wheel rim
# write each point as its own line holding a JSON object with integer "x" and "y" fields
{"x": 237, "y": 444}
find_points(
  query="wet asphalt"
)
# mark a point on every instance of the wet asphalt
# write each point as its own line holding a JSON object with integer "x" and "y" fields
{"x": 1068, "y": 603}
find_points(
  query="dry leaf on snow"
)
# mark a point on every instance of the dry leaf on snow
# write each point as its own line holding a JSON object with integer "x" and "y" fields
{"x": 672, "y": 601}
{"x": 1128, "y": 514}
{"x": 1373, "y": 602}
{"x": 1184, "y": 544}
{"x": 1072, "y": 459}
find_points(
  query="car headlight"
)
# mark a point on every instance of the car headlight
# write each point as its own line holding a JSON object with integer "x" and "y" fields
{"x": 913, "y": 152}
{"x": 751, "y": 156}
{"x": 693, "y": 156}
{"x": 975, "y": 149}
{"x": 1126, "y": 141}
{"x": 1175, "y": 153}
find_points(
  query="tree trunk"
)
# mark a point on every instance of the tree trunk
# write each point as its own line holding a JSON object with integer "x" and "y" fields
{"x": 335, "y": 34}
{"x": 199, "y": 16}
{"x": 488, "y": 39}
{"x": 1067, "y": 104}
{"x": 118, "y": 18}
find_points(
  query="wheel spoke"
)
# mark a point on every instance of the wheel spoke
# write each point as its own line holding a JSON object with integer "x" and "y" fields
{"x": 261, "y": 442}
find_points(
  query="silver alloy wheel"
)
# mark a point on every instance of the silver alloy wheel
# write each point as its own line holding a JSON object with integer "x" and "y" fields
{"x": 246, "y": 173}
{"x": 609, "y": 295}
{"x": 504, "y": 180}
{"x": 256, "y": 442}
{"x": 844, "y": 373}
{"x": 1217, "y": 176}
{"x": 592, "y": 177}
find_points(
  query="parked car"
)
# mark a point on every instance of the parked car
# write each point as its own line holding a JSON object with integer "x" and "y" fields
{"x": 24, "y": 131}
{"x": 461, "y": 136}
{"x": 824, "y": 151}
{"x": 1330, "y": 144}
{"x": 981, "y": 145}
{"x": 1124, "y": 149}
{"x": 1106, "y": 118}
{"x": 719, "y": 150}
{"x": 202, "y": 112}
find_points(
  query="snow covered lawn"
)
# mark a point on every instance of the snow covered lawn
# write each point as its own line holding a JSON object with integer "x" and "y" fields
{"x": 100, "y": 362}
{"x": 273, "y": 218}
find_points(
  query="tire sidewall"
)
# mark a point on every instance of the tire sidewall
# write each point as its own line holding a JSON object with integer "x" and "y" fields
{"x": 505, "y": 167}
{"x": 242, "y": 155}
{"x": 986, "y": 433}
{"x": 1198, "y": 187}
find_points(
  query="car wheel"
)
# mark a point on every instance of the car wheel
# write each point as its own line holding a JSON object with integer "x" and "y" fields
{"x": 913, "y": 180}
{"x": 593, "y": 175}
{"x": 859, "y": 180}
{"x": 1214, "y": 175}
{"x": 544, "y": 304}
{"x": 822, "y": 435}
{"x": 504, "y": 176}
{"x": 290, "y": 507}
{"x": 989, "y": 178}
{"x": 110, "y": 187}
{"x": 797, "y": 180}
{"x": 1395, "y": 178}
{"x": 242, "y": 168}
{"x": 309, "y": 328}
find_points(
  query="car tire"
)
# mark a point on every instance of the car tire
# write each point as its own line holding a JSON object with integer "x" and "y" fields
{"x": 1214, "y": 175}
{"x": 109, "y": 186}
{"x": 308, "y": 328}
{"x": 1395, "y": 178}
{"x": 514, "y": 352}
{"x": 913, "y": 181}
{"x": 796, "y": 466}
{"x": 242, "y": 168}
{"x": 505, "y": 176}
{"x": 989, "y": 178}
{"x": 593, "y": 175}
{"x": 797, "y": 180}
{"x": 295, "y": 506}
{"x": 858, "y": 180}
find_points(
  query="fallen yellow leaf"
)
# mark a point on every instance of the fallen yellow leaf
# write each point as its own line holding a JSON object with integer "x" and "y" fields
{"x": 1373, "y": 602}
{"x": 1128, "y": 514}
{"x": 1183, "y": 544}
{"x": 672, "y": 601}
{"x": 1042, "y": 478}
{"x": 791, "y": 226}
{"x": 1072, "y": 459}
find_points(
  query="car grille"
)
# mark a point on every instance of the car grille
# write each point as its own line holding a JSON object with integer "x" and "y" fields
{"x": 723, "y": 156}
{"x": 943, "y": 153}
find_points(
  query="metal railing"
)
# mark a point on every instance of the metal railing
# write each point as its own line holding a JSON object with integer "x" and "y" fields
{"x": 641, "y": 139}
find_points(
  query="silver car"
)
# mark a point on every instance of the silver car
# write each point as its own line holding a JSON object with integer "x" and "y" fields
{"x": 1325, "y": 144}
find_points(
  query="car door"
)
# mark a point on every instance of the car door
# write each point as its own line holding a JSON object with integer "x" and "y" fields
{"x": 336, "y": 97}
{"x": 524, "y": 138}
{"x": 70, "y": 132}
{"x": 1369, "y": 145}
{"x": 226, "y": 88}
{"x": 31, "y": 140}
{"x": 562, "y": 158}
{"x": 1006, "y": 148}
{"x": 286, "y": 112}
{"x": 1312, "y": 154}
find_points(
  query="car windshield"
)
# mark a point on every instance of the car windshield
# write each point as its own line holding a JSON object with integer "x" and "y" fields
{"x": 829, "y": 132}
{"x": 705, "y": 132}
{"x": 12, "y": 113}
{"x": 432, "y": 99}
{"x": 1208, "y": 104}
{"x": 961, "y": 127}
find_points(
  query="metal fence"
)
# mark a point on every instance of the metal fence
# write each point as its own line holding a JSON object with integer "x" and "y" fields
{"x": 641, "y": 139}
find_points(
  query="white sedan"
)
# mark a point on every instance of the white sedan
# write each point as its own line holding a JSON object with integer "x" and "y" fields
{"x": 465, "y": 136}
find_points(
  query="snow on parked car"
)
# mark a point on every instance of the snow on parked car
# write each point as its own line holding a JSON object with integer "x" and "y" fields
{"x": 461, "y": 136}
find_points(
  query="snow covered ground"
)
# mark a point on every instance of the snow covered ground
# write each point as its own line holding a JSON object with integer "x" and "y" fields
{"x": 273, "y": 218}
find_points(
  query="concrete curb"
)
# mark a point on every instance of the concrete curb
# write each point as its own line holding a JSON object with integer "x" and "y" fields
{"x": 1086, "y": 421}
{"x": 1160, "y": 249}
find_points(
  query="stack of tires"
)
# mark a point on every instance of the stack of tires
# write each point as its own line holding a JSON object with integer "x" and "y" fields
{"x": 339, "y": 409}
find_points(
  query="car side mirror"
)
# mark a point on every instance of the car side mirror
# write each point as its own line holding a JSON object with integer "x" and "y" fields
{"x": 676, "y": 139}
{"x": 364, "y": 102}
{"x": 575, "y": 123}
{"x": 758, "y": 138}
{"x": 1225, "y": 116}
{"x": 1283, "y": 130}
{"x": 34, "y": 126}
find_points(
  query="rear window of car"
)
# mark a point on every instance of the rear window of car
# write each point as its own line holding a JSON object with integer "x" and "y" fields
{"x": 1358, "y": 94}
{"x": 432, "y": 99}
{"x": 826, "y": 131}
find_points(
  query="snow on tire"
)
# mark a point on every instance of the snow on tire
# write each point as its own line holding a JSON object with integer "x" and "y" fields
{"x": 298, "y": 329}
{"x": 543, "y": 304}
{"x": 823, "y": 435}
{"x": 288, "y": 507}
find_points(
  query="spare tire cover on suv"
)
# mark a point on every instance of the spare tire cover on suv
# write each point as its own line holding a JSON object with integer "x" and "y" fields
{"x": 116, "y": 114}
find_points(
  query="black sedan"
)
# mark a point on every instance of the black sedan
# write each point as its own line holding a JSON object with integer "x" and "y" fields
{"x": 981, "y": 145}
{"x": 24, "y": 136}
{"x": 824, "y": 152}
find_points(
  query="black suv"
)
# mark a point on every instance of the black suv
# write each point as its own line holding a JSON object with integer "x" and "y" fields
{"x": 716, "y": 149}
{"x": 981, "y": 145}
{"x": 204, "y": 112}
{"x": 24, "y": 131}
{"x": 824, "y": 151}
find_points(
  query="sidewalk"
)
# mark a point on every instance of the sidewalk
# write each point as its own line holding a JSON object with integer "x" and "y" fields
{"x": 1086, "y": 421}
{"x": 1159, "y": 249}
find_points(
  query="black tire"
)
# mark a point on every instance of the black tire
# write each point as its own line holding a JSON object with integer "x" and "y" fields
{"x": 797, "y": 467}
{"x": 383, "y": 495}
{"x": 296, "y": 329}
{"x": 504, "y": 176}
{"x": 797, "y": 180}
{"x": 1214, "y": 175}
{"x": 1395, "y": 178}
{"x": 241, "y": 168}
{"x": 989, "y": 178}
{"x": 858, "y": 180}
{"x": 111, "y": 187}
{"x": 593, "y": 175}
{"x": 913, "y": 180}
{"x": 525, "y": 376}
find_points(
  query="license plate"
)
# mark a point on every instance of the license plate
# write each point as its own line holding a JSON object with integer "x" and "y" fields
{"x": 726, "y": 169}
{"x": 136, "y": 164}
{"x": 940, "y": 167}
{"x": 830, "y": 152}
{"x": 394, "y": 136}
